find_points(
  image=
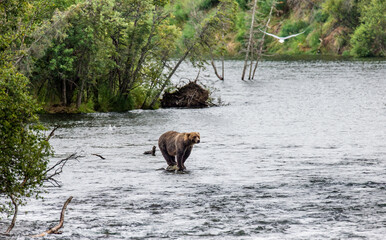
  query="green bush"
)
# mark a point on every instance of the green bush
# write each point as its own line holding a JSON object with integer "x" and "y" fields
{"x": 208, "y": 4}
{"x": 343, "y": 11}
{"x": 243, "y": 4}
{"x": 292, "y": 28}
{"x": 181, "y": 14}
{"x": 240, "y": 26}
{"x": 369, "y": 39}
{"x": 321, "y": 17}
{"x": 87, "y": 107}
{"x": 362, "y": 41}
{"x": 313, "y": 39}
{"x": 122, "y": 103}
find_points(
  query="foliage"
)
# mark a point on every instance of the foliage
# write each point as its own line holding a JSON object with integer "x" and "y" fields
{"x": 118, "y": 52}
{"x": 369, "y": 39}
{"x": 290, "y": 28}
{"x": 208, "y": 4}
{"x": 24, "y": 150}
{"x": 109, "y": 52}
{"x": 343, "y": 11}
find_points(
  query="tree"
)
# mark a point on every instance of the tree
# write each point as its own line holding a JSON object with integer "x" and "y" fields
{"x": 257, "y": 19}
{"x": 369, "y": 39}
{"x": 202, "y": 40}
{"x": 24, "y": 150}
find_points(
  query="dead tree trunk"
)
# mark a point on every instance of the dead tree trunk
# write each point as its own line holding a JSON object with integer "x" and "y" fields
{"x": 215, "y": 70}
{"x": 262, "y": 40}
{"x": 61, "y": 222}
{"x": 250, "y": 39}
{"x": 222, "y": 67}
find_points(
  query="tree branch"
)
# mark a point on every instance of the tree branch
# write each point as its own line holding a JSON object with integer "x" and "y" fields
{"x": 61, "y": 221}
{"x": 52, "y": 133}
{"x": 57, "y": 169}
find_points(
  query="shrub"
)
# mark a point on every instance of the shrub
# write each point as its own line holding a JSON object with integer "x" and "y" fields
{"x": 292, "y": 28}
{"x": 369, "y": 39}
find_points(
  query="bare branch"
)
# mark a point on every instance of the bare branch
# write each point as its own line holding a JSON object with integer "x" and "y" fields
{"x": 98, "y": 155}
{"x": 61, "y": 221}
{"x": 57, "y": 169}
{"x": 52, "y": 133}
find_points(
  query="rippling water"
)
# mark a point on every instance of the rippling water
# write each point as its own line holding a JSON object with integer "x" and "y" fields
{"x": 299, "y": 153}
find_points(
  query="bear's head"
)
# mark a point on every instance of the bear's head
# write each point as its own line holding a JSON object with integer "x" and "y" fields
{"x": 194, "y": 137}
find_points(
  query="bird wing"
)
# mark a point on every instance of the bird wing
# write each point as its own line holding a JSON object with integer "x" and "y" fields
{"x": 272, "y": 35}
{"x": 294, "y": 35}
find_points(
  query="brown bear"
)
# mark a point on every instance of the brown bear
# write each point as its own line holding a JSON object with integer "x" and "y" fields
{"x": 174, "y": 144}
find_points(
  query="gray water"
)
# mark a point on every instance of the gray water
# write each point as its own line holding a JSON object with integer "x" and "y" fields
{"x": 298, "y": 153}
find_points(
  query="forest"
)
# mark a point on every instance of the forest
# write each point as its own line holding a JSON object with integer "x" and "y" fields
{"x": 116, "y": 55}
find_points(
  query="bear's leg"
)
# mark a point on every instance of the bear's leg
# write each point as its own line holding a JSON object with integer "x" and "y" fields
{"x": 173, "y": 160}
{"x": 186, "y": 155}
{"x": 180, "y": 163}
{"x": 169, "y": 159}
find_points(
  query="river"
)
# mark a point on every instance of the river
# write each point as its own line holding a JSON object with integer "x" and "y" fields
{"x": 297, "y": 153}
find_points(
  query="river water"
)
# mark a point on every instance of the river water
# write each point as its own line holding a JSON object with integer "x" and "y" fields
{"x": 297, "y": 153}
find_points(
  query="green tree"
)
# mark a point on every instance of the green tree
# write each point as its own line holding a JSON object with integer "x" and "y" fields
{"x": 117, "y": 53}
{"x": 203, "y": 39}
{"x": 24, "y": 149}
{"x": 369, "y": 39}
{"x": 70, "y": 70}
{"x": 344, "y": 12}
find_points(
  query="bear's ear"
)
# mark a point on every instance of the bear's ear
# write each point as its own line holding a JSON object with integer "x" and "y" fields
{"x": 186, "y": 136}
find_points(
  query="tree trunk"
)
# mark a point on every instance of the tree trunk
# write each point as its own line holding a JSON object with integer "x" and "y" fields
{"x": 250, "y": 39}
{"x": 215, "y": 70}
{"x": 14, "y": 215}
{"x": 80, "y": 93}
{"x": 251, "y": 64}
{"x": 64, "y": 93}
{"x": 222, "y": 67}
{"x": 262, "y": 40}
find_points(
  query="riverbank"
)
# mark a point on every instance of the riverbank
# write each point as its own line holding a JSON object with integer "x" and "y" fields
{"x": 208, "y": 74}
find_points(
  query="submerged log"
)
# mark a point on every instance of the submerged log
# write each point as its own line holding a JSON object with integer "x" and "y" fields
{"x": 152, "y": 151}
{"x": 55, "y": 230}
{"x": 191, "y": 95}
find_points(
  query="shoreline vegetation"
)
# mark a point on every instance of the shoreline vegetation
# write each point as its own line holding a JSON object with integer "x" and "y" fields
{"x": 116, "y": 55}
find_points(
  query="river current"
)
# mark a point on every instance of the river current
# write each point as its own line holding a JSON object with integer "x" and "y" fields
{"x": 297, "y": 153}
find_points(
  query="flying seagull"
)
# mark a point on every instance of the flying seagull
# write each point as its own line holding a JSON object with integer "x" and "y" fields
{"x": 281, "y": 39}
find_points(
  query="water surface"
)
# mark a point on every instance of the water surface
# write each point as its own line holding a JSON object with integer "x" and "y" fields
{"x": 298, "y": 153}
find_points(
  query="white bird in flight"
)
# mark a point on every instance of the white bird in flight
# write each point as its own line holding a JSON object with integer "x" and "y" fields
{"x": 281, "y": 39}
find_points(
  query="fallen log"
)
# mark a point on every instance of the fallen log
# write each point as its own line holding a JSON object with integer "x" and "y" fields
{"x": 55, "y": 229}
{"x": 152, "y": 151}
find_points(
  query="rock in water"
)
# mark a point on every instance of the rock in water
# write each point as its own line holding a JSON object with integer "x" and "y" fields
{"x": 191, "y": 95}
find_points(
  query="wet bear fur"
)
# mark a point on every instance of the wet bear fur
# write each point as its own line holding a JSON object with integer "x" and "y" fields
{"x": 177, "y": 145}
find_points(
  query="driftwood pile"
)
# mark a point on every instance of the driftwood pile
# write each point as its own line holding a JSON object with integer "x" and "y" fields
{"x": 191, "y": 95}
